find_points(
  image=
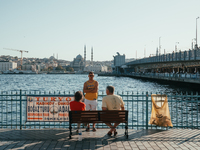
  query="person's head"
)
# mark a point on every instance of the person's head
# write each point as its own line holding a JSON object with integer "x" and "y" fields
{"x": 78, "y": 96}
{"x": 91, "y": 75}
{"x": 110, "y": 90}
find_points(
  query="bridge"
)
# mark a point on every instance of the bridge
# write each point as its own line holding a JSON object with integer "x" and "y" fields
{"x": 176, "y": 62}
{"x": 182, "y": 66}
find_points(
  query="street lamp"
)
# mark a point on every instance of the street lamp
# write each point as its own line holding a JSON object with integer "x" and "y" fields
{"x": 176, "y": 46}
{"x": 196, "y": 30}
{"x": 159, "y": 46}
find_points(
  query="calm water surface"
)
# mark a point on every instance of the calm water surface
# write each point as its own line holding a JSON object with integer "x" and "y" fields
{"x": 66, "y": 82}
{"x": 74, "y": 82}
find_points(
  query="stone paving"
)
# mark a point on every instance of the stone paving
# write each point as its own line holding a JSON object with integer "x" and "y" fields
{"x": 49, "y": 139}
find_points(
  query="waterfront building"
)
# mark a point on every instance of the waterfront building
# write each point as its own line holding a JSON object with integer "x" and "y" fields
{"x": 119, "y": 60}
{"x": 64, "y": 64}
{"x": 7, "y": 65}
{"x": 96, "y": 68}
{"x": 52, "y": 63}
{"x": 43, "y": 66}
{"x": 29, "y": 67}
{"x": 78, "y": 64}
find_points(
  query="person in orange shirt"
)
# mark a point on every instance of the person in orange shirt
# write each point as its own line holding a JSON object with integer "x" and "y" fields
{"x": 91, "y": 89}
{"x": 77, "y": 105}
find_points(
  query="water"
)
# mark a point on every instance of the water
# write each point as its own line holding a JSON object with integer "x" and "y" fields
{"x": 74, "y": 82}
{"x": 9, "y": 110}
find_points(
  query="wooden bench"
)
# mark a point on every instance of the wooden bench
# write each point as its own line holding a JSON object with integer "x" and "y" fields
{"x": 103, "y": 116}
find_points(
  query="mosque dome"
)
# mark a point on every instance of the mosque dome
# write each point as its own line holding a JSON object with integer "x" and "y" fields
{"x": 52, "y": 57}
{"x": 78, "y": 63}
{"x": 79, "y": 57}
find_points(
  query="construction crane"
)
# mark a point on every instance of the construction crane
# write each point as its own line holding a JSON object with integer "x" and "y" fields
{"x": 18, "y": 51}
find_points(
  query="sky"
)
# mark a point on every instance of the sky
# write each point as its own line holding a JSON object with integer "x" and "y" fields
{"x": 62, "y": 27}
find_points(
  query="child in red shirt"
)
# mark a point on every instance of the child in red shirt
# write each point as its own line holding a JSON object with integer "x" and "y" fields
{"x": 77, "y": 104}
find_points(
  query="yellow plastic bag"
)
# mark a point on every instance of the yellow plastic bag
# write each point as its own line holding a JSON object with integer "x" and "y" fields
{"x": 160, "y": 115}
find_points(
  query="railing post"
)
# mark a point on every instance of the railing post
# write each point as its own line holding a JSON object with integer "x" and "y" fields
{"x": 147, "y": 111}
{"x": 20, "y": 109}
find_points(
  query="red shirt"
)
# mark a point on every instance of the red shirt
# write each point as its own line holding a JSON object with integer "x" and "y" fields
{"x": 74, "y": 105}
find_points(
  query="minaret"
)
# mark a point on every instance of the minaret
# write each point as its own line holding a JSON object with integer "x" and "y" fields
{"x": 85, "y": 54}
{"x": 92, "y": 55}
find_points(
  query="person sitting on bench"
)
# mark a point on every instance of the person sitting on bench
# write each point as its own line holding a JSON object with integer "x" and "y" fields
{"x": 77, "y": 105}
{"x": 112, "y": 102}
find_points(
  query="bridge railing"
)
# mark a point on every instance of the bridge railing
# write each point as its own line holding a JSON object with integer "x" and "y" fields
{"x": 171, "y": 57}
{"x": 184, "y": 109}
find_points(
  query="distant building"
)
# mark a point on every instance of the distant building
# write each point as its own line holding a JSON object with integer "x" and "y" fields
{"x": 7, "y": 65}
{"x": 42, "y": 66}
{"x": 78, "y": 63}
{"x": 52, "y": 63}
{"x": 64, "y": 64}
{"x": 96, "y": 68}
{"x": 119, "y": 60}
{"x": 29, "y": 67}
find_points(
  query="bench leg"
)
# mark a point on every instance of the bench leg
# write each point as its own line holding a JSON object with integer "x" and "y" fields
{"x": 126, "y": 130}
{"x": 70, "y": 131}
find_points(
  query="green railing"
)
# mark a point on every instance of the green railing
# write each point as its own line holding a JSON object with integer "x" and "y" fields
{"x": 184, "y": 109}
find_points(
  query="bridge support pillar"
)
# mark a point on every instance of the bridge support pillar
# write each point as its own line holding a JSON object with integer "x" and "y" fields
{"x": 188, "y": 70}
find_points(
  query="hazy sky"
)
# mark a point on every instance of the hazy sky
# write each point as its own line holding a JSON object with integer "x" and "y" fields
{"x": 63, "y": 27}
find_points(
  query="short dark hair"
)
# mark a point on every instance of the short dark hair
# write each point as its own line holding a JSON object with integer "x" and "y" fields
{"x": 78, "y": 96}
{"x": 91, "y": 72}
{"x": 111, "y": 89}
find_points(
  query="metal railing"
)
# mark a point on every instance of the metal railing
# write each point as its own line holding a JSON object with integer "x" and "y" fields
{"x": 184, "y": 109}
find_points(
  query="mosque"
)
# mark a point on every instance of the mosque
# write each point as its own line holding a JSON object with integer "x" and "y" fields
{"x": 79, "y": 64}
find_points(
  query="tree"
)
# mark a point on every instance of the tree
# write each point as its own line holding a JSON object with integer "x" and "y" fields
{"x": 50, "y": 68}
{"x": 71, "y": 69}
{"x": 59, "y": 67}
{"x": 68, "y": 68}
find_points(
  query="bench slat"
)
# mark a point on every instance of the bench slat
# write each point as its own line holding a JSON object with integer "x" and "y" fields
{"x": 112, "y": 112}
{"x": 98, "y": 116}
{"x": 114, "y": 115}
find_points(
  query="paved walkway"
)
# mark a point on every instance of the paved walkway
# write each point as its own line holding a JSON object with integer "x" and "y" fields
{"x": 48, "y": 139}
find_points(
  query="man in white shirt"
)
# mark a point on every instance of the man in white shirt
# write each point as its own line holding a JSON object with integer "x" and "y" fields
{"x": 112, "y": 102}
